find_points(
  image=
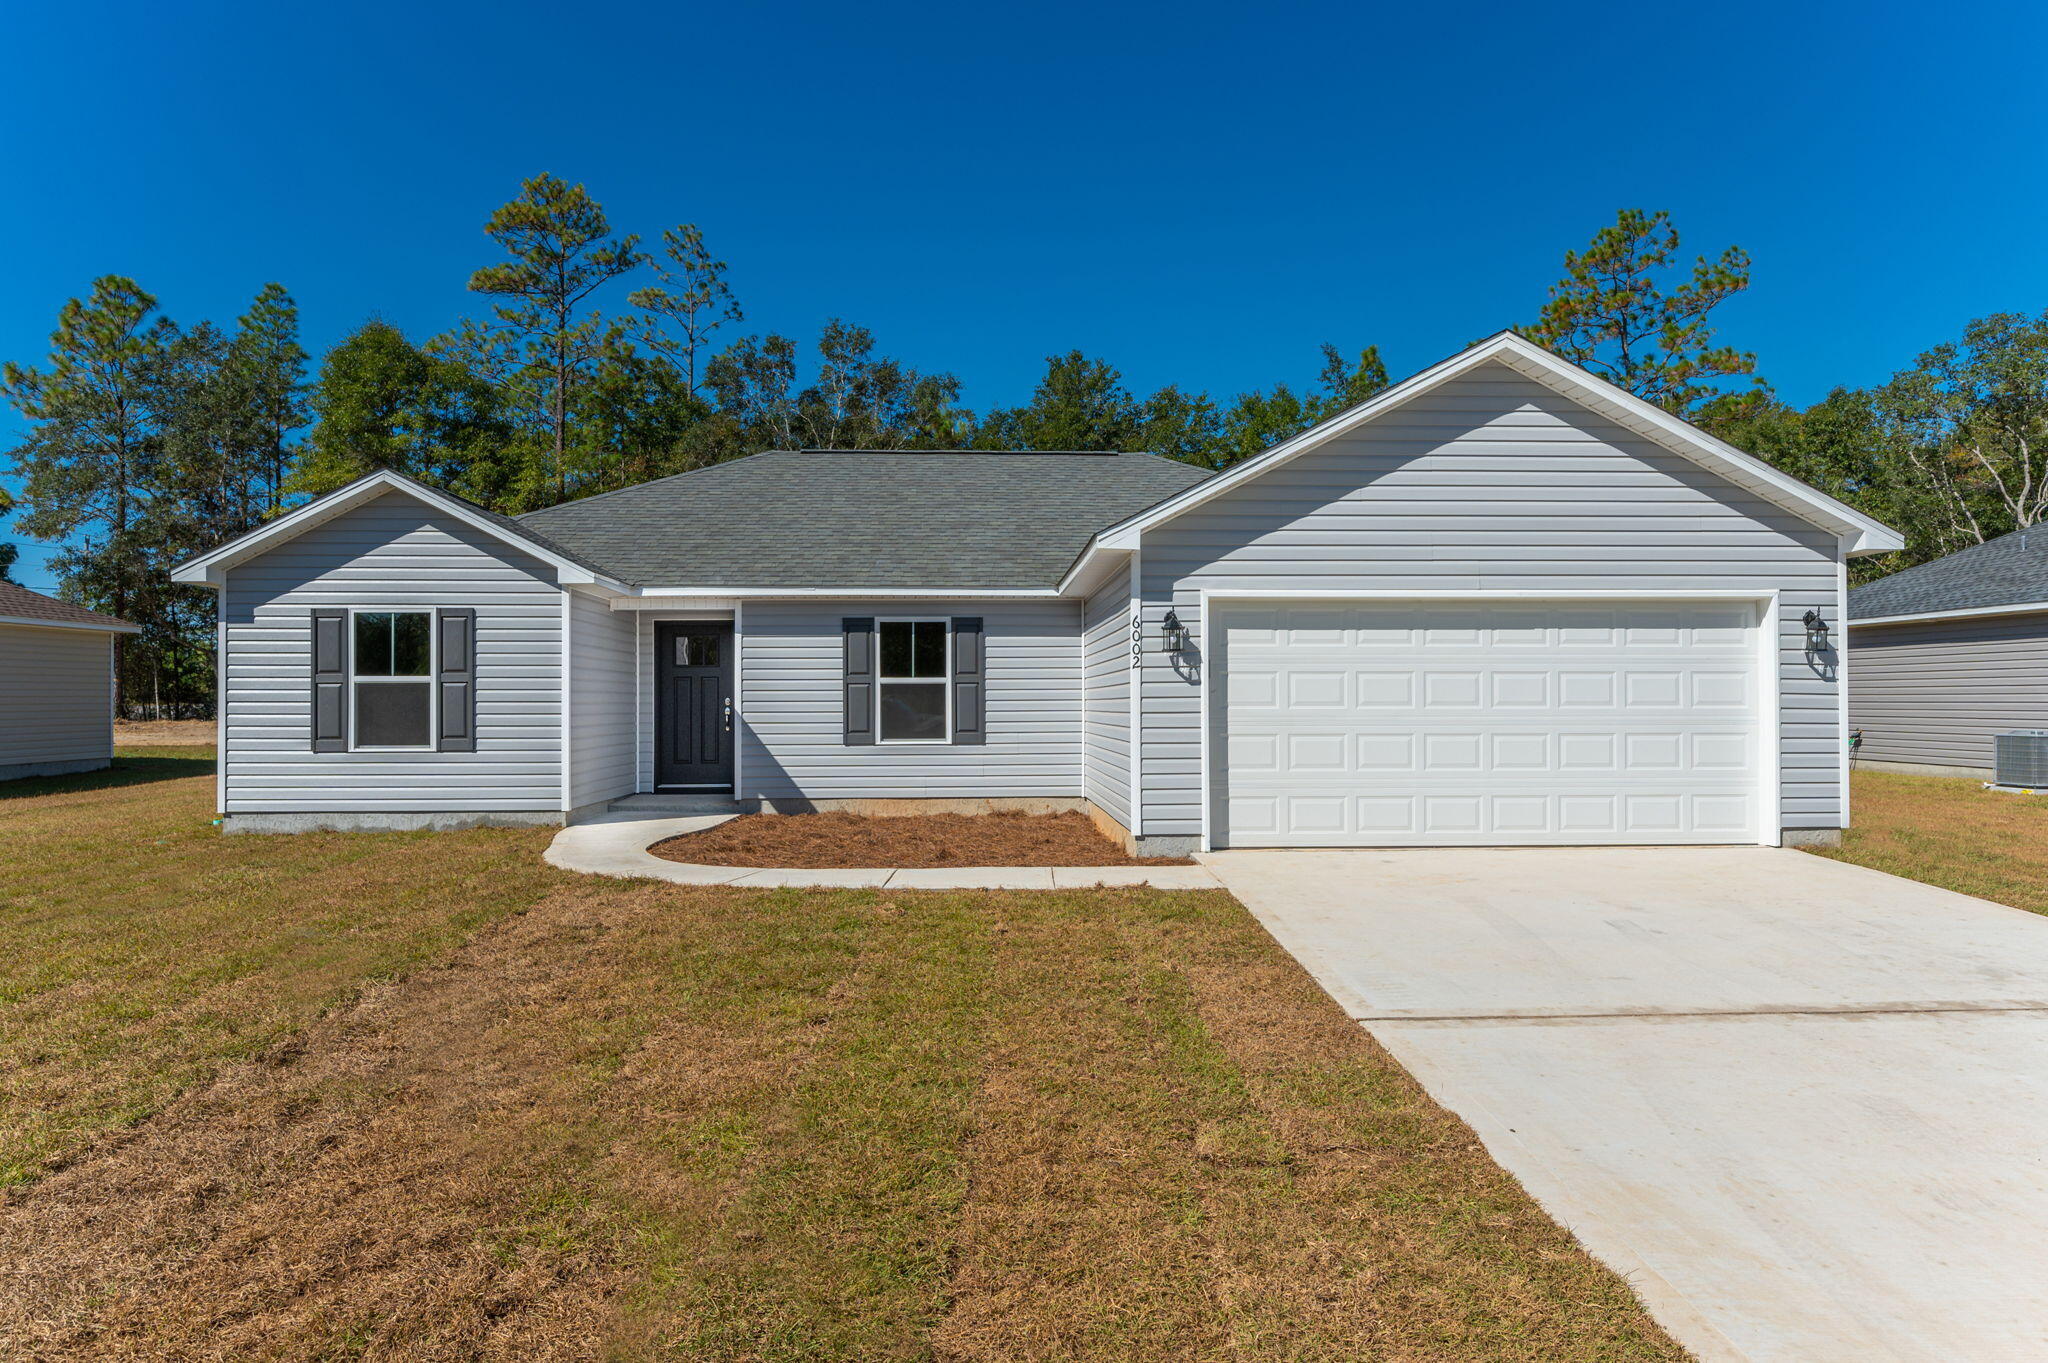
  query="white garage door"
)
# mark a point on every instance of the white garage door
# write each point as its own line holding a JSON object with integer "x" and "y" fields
{"x": 1432, "y": 724}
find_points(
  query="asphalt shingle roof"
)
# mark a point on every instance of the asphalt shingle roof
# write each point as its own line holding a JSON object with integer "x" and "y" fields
{"x": 19, "y": 603}
{"x": 528, "y": 533}
{"x": 952, "y": 520}
{"x": 2011, "y": 570}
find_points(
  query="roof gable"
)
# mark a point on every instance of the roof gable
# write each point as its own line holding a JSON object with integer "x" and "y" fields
{"x": 207, "y": 569}
{"x": 1861, "y": 534}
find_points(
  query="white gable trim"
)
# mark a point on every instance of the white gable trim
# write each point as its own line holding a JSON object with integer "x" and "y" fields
{"x": 208, "y": 569}
{"x": 1862, "y": 534}
{"x": 1970, "y": 613}
{"x": 37, "y": 622}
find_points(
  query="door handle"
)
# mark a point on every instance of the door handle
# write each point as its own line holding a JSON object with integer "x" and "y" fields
{"x": 728, "y": 714}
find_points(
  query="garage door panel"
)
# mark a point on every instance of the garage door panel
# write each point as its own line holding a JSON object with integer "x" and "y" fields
{"x": 1532, "y": 722}
{"x": 1301, "y": 754}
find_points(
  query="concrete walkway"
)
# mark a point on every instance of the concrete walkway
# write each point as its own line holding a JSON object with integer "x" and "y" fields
{"x": 1801, "y": 1105}
{"x": 616, "y": 844}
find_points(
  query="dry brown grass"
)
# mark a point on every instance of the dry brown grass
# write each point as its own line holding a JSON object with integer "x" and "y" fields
{"x": 1950, "y": 832}
{"x": 642, "y": 1121}
{"x": 140, "y": 950}
{"x": 853, "y": 840}
{"x": 164, "y": 733}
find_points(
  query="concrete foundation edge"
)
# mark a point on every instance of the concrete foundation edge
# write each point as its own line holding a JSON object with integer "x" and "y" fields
{"x": 901, "y": 806}
{"x": 1810, "y": 837}
{"x": 23, "y": 769}
{"x": 354, "y": 821}
{"x": 1923, "y": 769}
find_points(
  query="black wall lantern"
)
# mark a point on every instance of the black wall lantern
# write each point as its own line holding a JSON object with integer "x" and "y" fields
{"x": 1173, "y": 634}
{"x": 1816, "y": 633}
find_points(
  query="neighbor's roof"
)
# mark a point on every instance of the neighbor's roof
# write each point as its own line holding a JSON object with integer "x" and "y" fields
{"x": 20, "y": 606}
{"x": 951, "y": 519}
{"x": 2011, "y": 570}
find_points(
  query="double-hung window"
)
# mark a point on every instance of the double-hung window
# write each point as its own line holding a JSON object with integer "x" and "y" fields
{"x": 393, "y": 679}
{"x": 912, "y": 694}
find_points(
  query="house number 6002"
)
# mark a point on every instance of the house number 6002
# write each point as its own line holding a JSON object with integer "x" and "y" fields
{"x": 1137, "y": 639}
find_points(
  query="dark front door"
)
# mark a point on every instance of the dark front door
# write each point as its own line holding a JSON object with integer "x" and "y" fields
{"x": 692, "y": 704}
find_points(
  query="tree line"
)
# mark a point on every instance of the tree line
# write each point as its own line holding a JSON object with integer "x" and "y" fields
{"x": 599, "y": 362}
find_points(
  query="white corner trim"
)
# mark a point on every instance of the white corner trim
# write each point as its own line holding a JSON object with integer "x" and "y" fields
{"x": 1842, "y": 690}
{"x": 643, "y": 702}
{"x": 1207, "y": 651}
{"x": 568, "y": 713}
{"x": 1866, "y": 535}
{"x": 207, "y": 570}
{"x": 1771, "y": 722}
{"x": 221, "y": 691}
{"x": 1134, "y": 603}
{"x": 2022, "y": 608}
{"x": 739, "y": 699}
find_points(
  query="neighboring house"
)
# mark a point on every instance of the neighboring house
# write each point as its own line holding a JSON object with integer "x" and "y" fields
{"x": 1500, "y": 602}
{"x": 56, "y": 684}
{"x": 1947, "y": 655}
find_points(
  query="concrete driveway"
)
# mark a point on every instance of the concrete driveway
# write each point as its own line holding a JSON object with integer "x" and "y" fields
{"x": 1802, "y": 1106}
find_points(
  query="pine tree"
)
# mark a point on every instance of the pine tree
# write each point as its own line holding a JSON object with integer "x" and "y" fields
{"x": 562, "y": 253}
{"x": 697, "y": 302}
{"x": 8, "y": 552}
{"x": 1610, "y": 315}
{"x": 92, "y": 447}
{"x": 270, "y": 370}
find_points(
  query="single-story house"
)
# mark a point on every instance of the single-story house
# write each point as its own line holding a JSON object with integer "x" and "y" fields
{"x": 1947, "y": 655}
{"x": 56, "y": 684}
{"x": 1501, "y": 602}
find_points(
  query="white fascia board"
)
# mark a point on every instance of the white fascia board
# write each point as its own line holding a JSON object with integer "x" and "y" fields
{"x": 2022, "y": 608}
{"x": 208, "y": 569}
{"x": 32, "y": 622}
{"x": 674, "y": 603}
{"x": 697, "y": 595}
{"x": 1094, "y": 567}
{"x": 1864, "y": 535}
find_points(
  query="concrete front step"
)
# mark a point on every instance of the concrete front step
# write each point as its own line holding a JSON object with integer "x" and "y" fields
{"x": 677, "y": 803}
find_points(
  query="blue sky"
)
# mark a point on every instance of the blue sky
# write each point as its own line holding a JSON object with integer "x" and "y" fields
{"x": 1200, "y": 194}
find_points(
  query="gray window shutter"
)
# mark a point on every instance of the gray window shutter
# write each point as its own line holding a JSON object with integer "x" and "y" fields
{"x": 970, "y": 677}
{"x": 860, "y": 679}
{"x": 457, "y": 680}
{"x": 330, "y": 681}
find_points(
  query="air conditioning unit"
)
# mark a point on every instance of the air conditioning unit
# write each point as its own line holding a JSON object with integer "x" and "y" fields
{"x": 2021, "y": 759}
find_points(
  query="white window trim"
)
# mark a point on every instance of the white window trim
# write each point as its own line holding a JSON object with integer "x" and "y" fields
{"x": 944, "y": 681}
{"x": 431, "y": 678}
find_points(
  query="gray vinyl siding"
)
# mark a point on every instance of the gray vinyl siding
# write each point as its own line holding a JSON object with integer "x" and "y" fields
{"x": 791, "y": 701}
{"x": 1937, "y": 692}
{"x": 392, "y": 553}
{"x": 1491, "y": 482}
{"x": 1106, "y": 669}
{"x": 56, "y": 697}
{"x": 603, "y": 728}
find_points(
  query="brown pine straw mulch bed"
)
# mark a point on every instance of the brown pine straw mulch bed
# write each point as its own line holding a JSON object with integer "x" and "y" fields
{"x": 857, "y": 841}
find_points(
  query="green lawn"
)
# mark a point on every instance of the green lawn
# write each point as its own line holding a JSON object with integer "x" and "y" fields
{"x": 1950, "y": 832}
{"x": 420, "y": 1097}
